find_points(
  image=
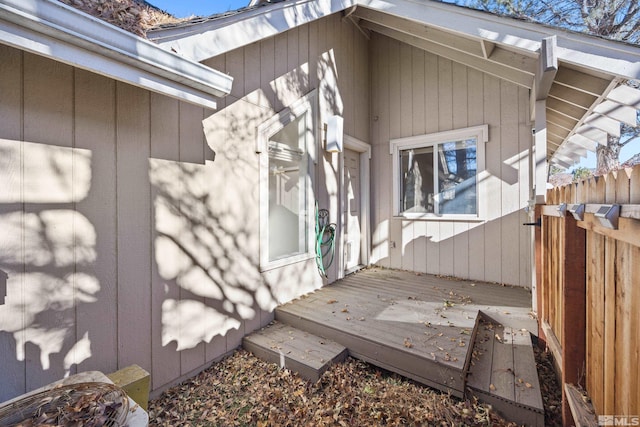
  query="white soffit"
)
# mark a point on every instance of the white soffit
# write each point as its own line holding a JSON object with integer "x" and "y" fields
{"x": 54, "y": 30}
{"x": 603, "y": 120}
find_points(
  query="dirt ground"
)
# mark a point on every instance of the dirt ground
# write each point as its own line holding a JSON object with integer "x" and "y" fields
{"x": 243, "y": 390}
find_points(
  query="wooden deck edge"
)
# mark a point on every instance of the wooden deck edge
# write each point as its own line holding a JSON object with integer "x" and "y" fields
{"x": 282, "y": 345}
{"x": 472, "y": 341}
{"x": 350, "y": 341}
{"x": 285, "y": 362}
{"x": 410, "y": 375}
{"x": 510, "y": 410}
{"x": 581, "y": 410}
{"x": 554, "y": 347}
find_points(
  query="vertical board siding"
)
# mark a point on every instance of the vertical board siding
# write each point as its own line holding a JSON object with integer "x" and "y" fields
{"x": 165, "y": 115}
{"x": 95, "y": 135}
{"x": 612, "y": 267}
{"x": 133, "y": 215}
{"x": 131, "y": 244}
{"x": 415, "y": 92}
{"x": 50, "y": 265}
{"x": 12, "y": 368}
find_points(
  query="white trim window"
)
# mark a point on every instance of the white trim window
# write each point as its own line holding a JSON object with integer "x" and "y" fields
{"x": 287, "y": 146}
{"x": 436, "y": 175}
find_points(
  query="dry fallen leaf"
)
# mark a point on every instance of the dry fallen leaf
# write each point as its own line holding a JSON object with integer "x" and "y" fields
{"x": 408, "y": 343}
{"x": 492, "y": 387}
{"x": 332, "y": 301}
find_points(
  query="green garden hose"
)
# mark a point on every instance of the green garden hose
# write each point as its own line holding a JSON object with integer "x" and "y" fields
{"x": 325, "y": 240}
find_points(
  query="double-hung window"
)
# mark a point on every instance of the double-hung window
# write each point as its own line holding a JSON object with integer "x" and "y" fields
{"x": 286, "y": 144}
{"x": 436, "y": 175}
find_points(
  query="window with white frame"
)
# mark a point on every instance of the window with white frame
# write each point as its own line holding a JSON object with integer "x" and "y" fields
{"x": 436, "y": 175}
{"x": 287, "y": 145}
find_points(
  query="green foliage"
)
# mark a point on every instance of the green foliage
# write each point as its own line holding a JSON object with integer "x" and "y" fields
{"x": 581, "y": 173}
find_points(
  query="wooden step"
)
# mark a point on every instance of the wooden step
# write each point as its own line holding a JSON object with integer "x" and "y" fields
{"x": 291, "y": 348}
{"x": 503, "y": 373}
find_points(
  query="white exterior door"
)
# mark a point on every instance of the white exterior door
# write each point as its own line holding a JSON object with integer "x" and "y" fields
{"x": 352, "y": 209}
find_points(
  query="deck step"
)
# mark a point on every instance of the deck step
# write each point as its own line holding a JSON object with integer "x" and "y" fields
{"x": 291, "y": 348}
{"x": 503, "y": 372}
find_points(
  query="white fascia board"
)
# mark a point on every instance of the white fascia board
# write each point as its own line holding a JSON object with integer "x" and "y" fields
{"x": 54, "y": 30}
{"x": 590, "y": 52}
{"x": 211, "y": 38}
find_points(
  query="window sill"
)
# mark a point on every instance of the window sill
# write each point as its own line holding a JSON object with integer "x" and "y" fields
{"x": 286, "y": 261}
{"x": 432, "y": 217}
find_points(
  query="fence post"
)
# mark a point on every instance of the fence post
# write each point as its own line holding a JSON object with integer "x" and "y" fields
{"x": 574, "y": 311}
{"x": 539, "y": 272}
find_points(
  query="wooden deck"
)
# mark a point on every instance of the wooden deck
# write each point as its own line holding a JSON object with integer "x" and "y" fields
{"x": 420, "y": 326}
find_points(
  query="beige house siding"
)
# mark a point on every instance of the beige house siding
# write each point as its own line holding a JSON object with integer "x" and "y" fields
{"x": 128, "y": 234}
{"x": 415, "y": 92}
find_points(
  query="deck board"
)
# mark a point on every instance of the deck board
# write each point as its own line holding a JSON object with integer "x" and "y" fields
{"x": 502, "y": 377}
{"x": 482, "y": 356}
{"x": 527, "y": 384}
{"x": 418, "y": 325}
{"x": 298, "y": 350}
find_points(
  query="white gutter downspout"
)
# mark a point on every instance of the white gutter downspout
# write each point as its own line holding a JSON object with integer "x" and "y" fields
{"x": 57, "y": 31}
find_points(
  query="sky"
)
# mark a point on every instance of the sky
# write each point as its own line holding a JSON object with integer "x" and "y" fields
{"x": 186, "y": 8}
{"x": 626, "y": 153}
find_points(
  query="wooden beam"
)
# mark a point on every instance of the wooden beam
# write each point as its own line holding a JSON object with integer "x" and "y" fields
{"x": 584, "y": 415}
{"x": 423, "y": 31}
{"x": 617, "y": 111}
{"x": 590, "y": 132}
{"x": 561, "y": 163}
{"x": 551, "y": 210}
{"x": 519, "y": 78}
{"x": 610, "y": 126}
{"x": 628, "y": 229}
{"x": 487, "y": 48}
{"x": 569, "y": 148}
{"x": 626, "y": 95}
{"x": 540, "y": 147}
{"x": 553, "y": 345}
{"x": 539, "y": 268}
{"x": 545, "y": 72}
{"x": 566, "y": 157}
{"x": 547, "y": 67}
{"x": 587, "y": 143}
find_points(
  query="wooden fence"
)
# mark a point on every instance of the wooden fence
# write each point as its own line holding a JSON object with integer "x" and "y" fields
{"x": 589, "y": 291}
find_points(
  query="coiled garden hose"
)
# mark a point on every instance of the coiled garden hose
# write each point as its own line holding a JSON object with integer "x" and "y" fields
{"x": 325, "y": 240}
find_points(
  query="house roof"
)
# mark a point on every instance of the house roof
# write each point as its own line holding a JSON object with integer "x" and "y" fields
{"x": 57, "y": 31}
{"x": 581, "y": 77}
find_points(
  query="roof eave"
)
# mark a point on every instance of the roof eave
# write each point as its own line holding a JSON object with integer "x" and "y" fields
{"x": 211, "y": 38}
{"x": 54, "y": 30}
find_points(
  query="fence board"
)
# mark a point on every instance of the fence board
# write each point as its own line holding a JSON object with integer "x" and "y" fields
{"x": 609, "y": 326}
{"x": 595, "y": 319}
{"x": 612, "y": 344}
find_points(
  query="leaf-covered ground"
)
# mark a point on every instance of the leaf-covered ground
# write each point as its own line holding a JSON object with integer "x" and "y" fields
{"x": 243, "y": 390}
